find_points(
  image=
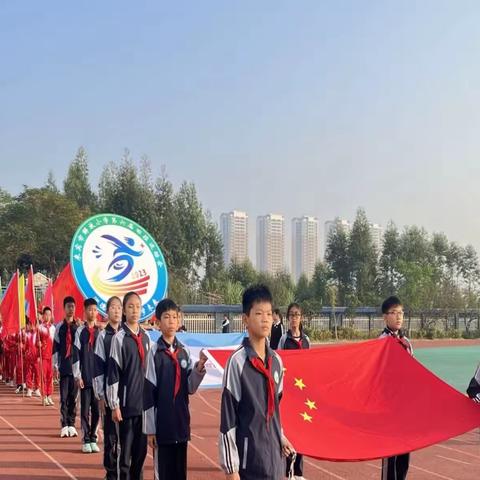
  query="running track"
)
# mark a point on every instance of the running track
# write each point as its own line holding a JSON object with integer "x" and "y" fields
{"x": 30, "y": 448}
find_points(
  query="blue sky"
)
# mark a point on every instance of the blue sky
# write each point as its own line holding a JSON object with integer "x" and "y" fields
{"x": 309, "y": 107}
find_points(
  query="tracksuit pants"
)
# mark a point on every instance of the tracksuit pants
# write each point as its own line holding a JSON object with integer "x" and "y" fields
{"x": 68, "y": 399}
{"x": 89, "y": 415}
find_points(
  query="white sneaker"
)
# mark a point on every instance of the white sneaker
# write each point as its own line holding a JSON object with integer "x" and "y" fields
{"x": 299, "y": 478}
{"x": 29, "y": 393}
{"x": 94, "y": 447}
{"x": 18, "y": 389}
{"x": 50, "y": 401}
{"x": 45, "y": 402}
{"x": 64, "y": 432}
{"x": 72, "y": 432}
{"x": 86, "y": 448}
{"x": 37, "y": 393}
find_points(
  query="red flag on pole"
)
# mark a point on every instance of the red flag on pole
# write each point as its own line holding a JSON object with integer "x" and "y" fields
{"x": 30, "y": 298}
{"x": 47, "y": 300}
{"x": 65, "y": 286}
{"x": 9, "y": 308}
{"x": 364, "y": 401}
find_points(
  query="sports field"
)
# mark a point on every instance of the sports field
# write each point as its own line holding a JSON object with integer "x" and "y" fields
{"x": 30, "y": 447}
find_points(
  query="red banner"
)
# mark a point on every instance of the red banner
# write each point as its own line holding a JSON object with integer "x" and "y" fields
{"x": 9, "y": 307}
{"x": 30, "y": 298}
{"x": 365, "y": 401}
{"x": 65, "y": 286}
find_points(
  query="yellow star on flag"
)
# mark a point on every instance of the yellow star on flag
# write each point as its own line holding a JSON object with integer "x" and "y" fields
{"x": 311, "y": 405}
{"x": 306, "y": 417}
{"x": 299, "y": 383}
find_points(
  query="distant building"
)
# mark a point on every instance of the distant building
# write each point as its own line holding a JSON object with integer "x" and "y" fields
{"x": 271, "y": 243}
{"x": 304, "y": 246}
{"x": 234, "y": 231}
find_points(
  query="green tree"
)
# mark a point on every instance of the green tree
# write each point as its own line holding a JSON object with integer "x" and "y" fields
{"x": 121, "y": 191}
{"x": 363, "y": 260}
{"x": 37, "y": 227}
{"x": 388, "y": 272}
{"x": 338, "y": 261}
{"x": 319, "y": 285}
{"x": 242, "y": 272}
{"x": 303, "y": 291}
{"x": 77, "y": 185}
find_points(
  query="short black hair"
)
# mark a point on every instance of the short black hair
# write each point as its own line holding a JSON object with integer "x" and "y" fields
{"x": 164, "y": 306}
{"x": 277, "y": 311}
{"x": 255, "y": 294}
{"x": 46, "y": 309}
{"x": 68, "y": 299}
{"x": 88, "y": 302}
{"x": 389, "y": 303}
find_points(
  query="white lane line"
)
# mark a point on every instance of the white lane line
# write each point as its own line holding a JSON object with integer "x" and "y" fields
{"x": 59, "y": 465}
{"x": 456, "y": 450}
{"x": 378, "y": 467}
{"x": 197, "y": 436}
{"x": 324, "y": 470}
{"x": 424, "y": 470}
{"x": 205, "y": 456}
{"x": 453, "y": 460}
{"x": 207, "y": 403}
{"x": 209, "y": 414}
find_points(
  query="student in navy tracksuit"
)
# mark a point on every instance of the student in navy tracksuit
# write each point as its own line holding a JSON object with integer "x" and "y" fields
{"x": 395, "y": 468}
{"x": 125, "y": 380}
{"x": 62, "y": 363}
{"x": 171, "y": 378}
{"x": 102, "y": 352}
{"x": 473, "y": 390}
{"x": 84, "y": 371}
{"x": 277, "y": 329}
{"x": 294, "y": 339}
{"x": 251, "y": 441}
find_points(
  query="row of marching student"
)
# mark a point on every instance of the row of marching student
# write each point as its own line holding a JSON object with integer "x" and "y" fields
{"x": 26, "y": 359}
{"x": 140, "y": 387}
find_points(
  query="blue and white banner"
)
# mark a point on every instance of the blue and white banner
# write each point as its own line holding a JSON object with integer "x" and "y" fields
{"x": 196, "y": 341}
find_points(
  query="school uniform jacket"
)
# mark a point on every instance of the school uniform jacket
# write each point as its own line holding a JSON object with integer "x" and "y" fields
{"x": 126, "y": 374}
{"x": 247, "y": 444}
{"x": 404, "y": 341}
{"x": 60, "y": 359}
{"x": 473, "y": 390}
{"x": 102, "y": 352}
{"x": 287, "y": 342}
{"x": 166, "y": 416}
{"x": 83, "y": 365}
{"x": 276, "y": 334}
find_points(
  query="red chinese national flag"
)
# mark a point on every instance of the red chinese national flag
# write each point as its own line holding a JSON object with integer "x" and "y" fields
{"x": 9, "y": 307}
{"x": 30, "y": 298}
{"x": 365, "y": 401}
{"x": 65, "y": 286}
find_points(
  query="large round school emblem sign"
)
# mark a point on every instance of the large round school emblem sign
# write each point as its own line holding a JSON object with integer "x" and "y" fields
{"x": 112, "y": 255}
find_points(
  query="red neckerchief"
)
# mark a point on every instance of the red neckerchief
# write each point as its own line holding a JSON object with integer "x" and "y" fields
{"x": 138, "y": 341}
{"x": 298, "y": 342}
{"x": 173, "y": 356}
{"x": 91, "y": 336}
{"x": 259, "y": 365}
{"x": 68, "y": 351}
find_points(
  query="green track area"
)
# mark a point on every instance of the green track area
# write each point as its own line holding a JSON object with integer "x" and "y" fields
{"x": 454, "y": 365}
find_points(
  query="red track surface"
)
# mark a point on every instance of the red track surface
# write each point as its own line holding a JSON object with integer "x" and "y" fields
{"x": 30, "y": 448}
